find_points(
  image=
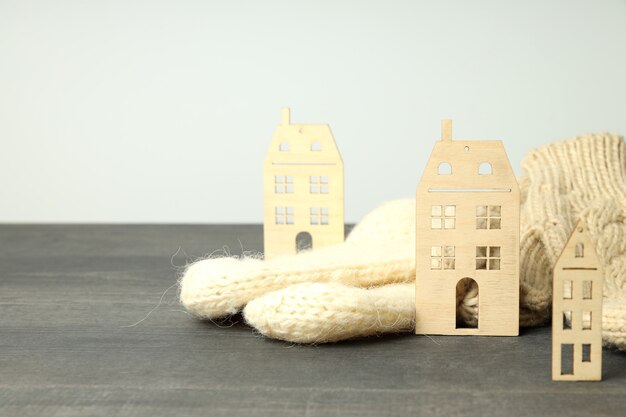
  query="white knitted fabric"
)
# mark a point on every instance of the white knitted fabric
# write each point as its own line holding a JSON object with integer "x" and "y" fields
{"x": 365, "y": 286}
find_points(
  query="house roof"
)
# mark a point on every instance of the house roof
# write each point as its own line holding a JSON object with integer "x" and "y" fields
{"x": 301, "y": 140}
{"x": 465, "y": 158}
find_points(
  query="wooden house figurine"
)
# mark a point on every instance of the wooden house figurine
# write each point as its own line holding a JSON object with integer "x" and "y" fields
{"x": 303, "y": 189}
{"x": 577, "y": 310}
{"x": 467, "y": 239}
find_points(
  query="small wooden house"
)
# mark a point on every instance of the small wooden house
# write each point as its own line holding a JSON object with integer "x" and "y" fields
{"x": 303, "y": 189}
{"x": 467, "y": 239}
{"x": 577, "y": 310}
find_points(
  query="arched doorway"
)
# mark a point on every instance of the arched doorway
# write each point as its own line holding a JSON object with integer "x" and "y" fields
{"x": 467, "y": 304}
{"x": 304, "y": 241}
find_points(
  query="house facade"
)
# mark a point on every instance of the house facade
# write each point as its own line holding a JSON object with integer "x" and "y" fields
{"x": 577, "y": 310}
{"x": 467, "y": 239}
{"x": 303, "y": 189}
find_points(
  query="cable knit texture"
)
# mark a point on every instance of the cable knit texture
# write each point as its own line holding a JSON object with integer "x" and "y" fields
{"x": 365, "y": 286}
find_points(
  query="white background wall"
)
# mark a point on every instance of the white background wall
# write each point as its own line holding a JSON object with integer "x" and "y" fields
{"x": 161, "y": 111}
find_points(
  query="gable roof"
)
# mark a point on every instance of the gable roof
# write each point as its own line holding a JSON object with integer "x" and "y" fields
{"x": 300, "y": 138}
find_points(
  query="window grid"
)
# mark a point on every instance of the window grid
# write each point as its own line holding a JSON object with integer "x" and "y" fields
{"x": 442, "y": 257}
{"x": 284, "y": 215}
{"x": 443, "y": 217}
{"x": 318, "y": 184}
{"x": 319, "y": 216}
{"x": 488, "y": 257}
{"x": 283, "y": 184}
{"x": 488, "y": 217}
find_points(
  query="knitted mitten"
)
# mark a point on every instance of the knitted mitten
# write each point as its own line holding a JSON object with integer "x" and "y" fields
{"x": 356, "y": 288}
{"x": 361, "y": 287}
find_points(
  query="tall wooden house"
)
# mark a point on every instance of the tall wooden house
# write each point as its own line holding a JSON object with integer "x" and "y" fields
{"x": 303, "y": 189}
{"x": 467, "y": 239}
{"x": 577, "y": 310}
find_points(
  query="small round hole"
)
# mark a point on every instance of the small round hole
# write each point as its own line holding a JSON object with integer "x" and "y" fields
{"x": 466, "y": 149}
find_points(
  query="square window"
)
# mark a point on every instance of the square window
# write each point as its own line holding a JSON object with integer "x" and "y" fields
{"x": 283, "y": 184}
{"x": 567, "y": 290}
{"x": 481, "y": 264}
{"x": 450, "y": 211}
{"x": 587, "y": 287}
{"x": 495, "y": 211}
{"x": 488, "y": 257}
{"x": 488, "y": 217}
{"x": 319, "y": 215}
{"x": 494, "y": 264}
{"x": 283, "y": 215}
{"x": 318, "y": 184}
{"x": 442, "y": 257}
{"x": 443, "y": 217}
{"x": 495, "y": 223}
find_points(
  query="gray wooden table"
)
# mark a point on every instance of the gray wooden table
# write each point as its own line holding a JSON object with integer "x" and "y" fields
{"x": 68, "y": 295}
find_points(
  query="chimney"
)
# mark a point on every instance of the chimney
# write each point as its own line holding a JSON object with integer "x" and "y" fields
{"x": 446, "y": 130}
{"x": 285, "y": 116}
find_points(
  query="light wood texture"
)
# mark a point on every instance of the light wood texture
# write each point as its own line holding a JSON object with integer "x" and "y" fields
{"x": 577, "y": 310}
{"x": 467, "y": 227}
{"x": 303, "y": 189}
